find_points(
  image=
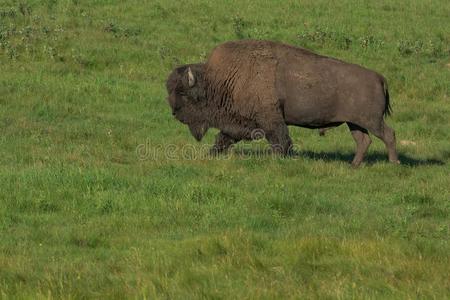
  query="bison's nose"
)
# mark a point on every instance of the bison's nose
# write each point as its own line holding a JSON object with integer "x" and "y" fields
{"x": 175, "y": 110}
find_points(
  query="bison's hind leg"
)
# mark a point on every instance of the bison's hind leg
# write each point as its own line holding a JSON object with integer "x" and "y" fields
{"x": 362, "y": 140}
{"x": 387, "y": 135}
{"x": 389, "y": 140}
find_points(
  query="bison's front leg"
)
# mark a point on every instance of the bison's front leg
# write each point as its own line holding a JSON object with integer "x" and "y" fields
{"x": 222, "y": 144}
{"x": 278, "y": 137}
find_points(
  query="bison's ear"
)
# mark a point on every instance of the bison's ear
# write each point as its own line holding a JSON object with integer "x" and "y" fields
{"x": 191, "y": 78}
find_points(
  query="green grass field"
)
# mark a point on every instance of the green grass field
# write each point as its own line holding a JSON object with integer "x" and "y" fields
{"x": 92, "y": 205}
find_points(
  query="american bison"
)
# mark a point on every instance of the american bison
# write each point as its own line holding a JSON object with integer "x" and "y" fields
{"x": 262, "y": 85}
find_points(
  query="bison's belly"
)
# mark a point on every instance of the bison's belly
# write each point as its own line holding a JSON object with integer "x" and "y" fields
{"x": 312, "y": 110}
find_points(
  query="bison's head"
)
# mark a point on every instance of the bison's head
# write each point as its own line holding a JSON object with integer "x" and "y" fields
{"x": 185, "y": 87}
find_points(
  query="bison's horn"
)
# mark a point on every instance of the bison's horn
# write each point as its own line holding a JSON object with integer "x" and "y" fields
{"x": 191, "y": 78}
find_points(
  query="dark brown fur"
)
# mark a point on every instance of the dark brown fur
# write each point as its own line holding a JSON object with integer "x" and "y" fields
{"x": 261, "y": 85}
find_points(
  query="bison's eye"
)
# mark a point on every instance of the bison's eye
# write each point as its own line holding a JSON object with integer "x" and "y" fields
{"x": 180, "y": 91}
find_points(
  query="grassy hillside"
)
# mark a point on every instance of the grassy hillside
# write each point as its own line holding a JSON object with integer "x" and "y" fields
{"x": 92, "y": 206}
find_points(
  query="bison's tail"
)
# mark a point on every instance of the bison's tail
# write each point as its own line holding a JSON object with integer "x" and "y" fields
{"x": 387, "y": 107}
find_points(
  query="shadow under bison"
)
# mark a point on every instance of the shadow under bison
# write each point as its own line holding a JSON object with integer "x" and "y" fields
{"x": 370, "y": 159}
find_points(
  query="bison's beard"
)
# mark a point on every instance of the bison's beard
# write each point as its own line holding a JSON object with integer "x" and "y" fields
{"x": 198, "y": 130}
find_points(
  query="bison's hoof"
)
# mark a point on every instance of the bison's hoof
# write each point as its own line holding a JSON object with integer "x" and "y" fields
{"x": 214, "y": 151}
{"x": 356, "y": 164}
